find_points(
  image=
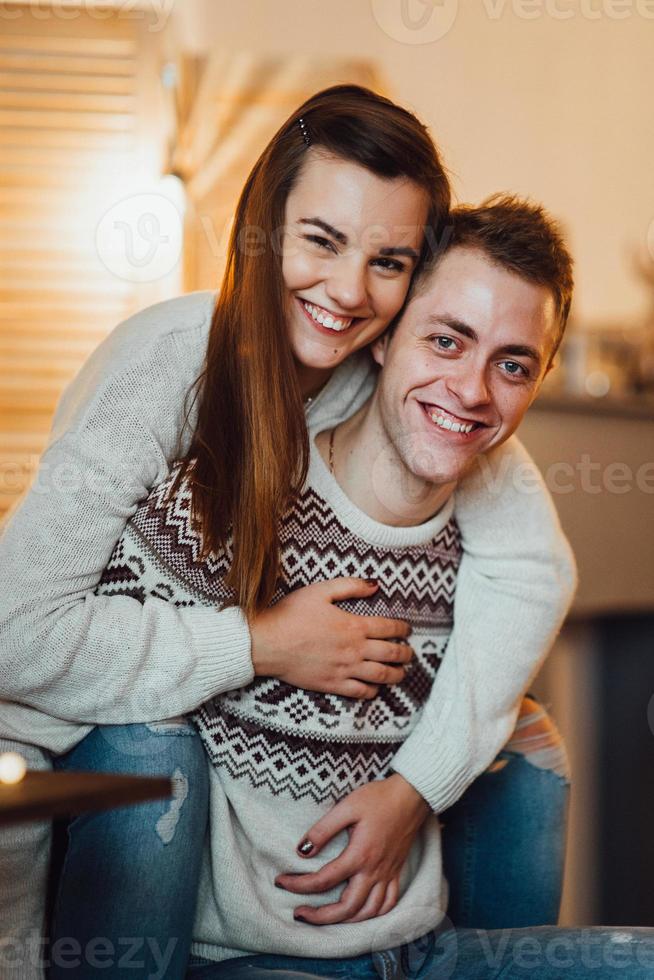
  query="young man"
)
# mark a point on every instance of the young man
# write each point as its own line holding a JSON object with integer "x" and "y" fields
{"x": 459, "y": 371}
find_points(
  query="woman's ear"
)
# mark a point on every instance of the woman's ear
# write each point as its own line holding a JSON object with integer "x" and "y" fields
{"x": 378, "y": 349}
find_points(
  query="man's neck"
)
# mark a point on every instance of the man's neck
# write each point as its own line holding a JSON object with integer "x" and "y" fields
{"x": 374, "y": 477}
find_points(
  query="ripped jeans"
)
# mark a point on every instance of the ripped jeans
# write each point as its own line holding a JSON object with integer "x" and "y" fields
{"x": 127, "y": 891}
{"x": 128, "y": 887}
{"x": 504, "y": 839}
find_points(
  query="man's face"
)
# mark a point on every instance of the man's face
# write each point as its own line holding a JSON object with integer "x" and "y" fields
{"x": 463, "y": 365}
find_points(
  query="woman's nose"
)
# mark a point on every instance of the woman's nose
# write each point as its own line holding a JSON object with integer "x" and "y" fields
{"x": 347, "y": 284}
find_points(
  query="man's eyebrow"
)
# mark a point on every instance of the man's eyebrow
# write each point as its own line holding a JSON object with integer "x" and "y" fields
{"x": 444, "y": 320}
{"x": 521, "y": 350}
{"x": 319, "y": 223}
{"x": 516, "y": 350}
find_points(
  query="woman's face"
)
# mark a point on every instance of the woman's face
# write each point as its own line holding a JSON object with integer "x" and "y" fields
{"x": 351, "y": 243}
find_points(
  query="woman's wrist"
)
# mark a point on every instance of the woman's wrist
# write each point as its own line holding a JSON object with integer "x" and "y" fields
{"x": 261, "y": 650}
{"x": 412, "y": 799}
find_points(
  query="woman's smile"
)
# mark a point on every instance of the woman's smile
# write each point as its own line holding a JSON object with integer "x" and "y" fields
{"x": 329, "y": 321}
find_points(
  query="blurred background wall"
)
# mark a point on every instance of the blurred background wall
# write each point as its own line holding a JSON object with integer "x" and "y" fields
{"x": 126, "y": 131}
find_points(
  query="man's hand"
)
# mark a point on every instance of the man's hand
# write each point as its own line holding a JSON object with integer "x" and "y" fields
{"x": 307, "y": 641}
{"x": 382, "y": 818}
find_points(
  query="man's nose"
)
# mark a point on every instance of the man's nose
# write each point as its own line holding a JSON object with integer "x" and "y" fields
{"x": 347, "y": 285}
{"x": 469, "y": 384}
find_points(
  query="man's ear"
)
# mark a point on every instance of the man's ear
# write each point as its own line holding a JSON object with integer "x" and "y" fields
{"x": 379, "y": 348}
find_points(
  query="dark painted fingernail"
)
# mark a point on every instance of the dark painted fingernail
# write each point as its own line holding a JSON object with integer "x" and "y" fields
{"x": 305, "y": 847}
{"x": 280, "y": 886}
{"x": 372, "y": 581}
{"x": 299, "y": 918}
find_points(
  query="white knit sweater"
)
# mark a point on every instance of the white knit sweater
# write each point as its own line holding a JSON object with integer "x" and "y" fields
{"x": 283, "y": 756}
{"x": 69, "y": 657}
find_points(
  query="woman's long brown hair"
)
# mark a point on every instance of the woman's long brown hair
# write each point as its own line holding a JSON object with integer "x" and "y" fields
{"x": 249, "y": 453}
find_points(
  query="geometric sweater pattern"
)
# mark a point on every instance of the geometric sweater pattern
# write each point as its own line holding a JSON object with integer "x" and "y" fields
{"x": 281, "y": 756}
{"x": 295, "y": 742}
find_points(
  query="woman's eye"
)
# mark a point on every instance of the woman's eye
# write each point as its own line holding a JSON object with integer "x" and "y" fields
{"x": 514, "y": 369}
{"x": 390, "y": 265}
{"x": 321, "y": 242}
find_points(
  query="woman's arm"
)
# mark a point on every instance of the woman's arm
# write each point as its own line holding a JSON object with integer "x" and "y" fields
{"x": 113, "y": 659}
{"x": 64, "y": 650}
{"x": 515, "y": 585}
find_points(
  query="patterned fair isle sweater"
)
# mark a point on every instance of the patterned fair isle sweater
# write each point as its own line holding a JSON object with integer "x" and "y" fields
{"x": 282, "y": 756}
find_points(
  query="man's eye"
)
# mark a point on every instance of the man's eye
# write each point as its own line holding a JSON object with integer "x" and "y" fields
{"x": 445, "y": 343}
{"x": 514, "y": 369}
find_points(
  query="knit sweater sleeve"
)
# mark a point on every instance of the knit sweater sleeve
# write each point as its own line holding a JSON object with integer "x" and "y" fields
{"x": 515, "y": 584}
{"x": 94, "y": 658}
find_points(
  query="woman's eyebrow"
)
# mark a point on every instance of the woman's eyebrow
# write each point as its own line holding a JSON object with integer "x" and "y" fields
{"x": 334, "y": 232}
{"x": 342, "y": 239}
{"x": 411, "y": 253}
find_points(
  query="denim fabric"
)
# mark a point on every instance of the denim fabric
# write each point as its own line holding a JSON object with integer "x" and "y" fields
{"x": 128, "y": 888}
{"x": 504, "y": 847}
{"x": 130, "y": 874}
{"x": 544, "y": 953}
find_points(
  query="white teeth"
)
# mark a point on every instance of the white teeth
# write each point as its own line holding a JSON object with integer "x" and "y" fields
{"x": 325, "y": 319}
{"x": 445, "y": 423}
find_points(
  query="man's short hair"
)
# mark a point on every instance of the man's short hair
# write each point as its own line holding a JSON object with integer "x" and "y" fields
{"x": 518, "y": 235}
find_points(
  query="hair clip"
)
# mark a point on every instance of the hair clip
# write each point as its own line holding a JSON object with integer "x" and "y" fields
{"x": 304, "y": 131}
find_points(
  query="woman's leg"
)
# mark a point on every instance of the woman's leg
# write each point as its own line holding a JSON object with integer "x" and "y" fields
{"x": 504, "y": 840}
{"x": 128, "y": 888}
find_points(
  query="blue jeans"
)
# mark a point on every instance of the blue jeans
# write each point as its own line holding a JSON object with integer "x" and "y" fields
{"x": 544, "y": 953}
{"x": 128, "y": 887}
{"x": 504, "y": 847}
{"x": 130, "y": 875}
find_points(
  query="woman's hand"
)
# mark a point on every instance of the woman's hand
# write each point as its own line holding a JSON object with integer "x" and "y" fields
{"x": 307, "y": 641}
{"x": 383, "y": 819}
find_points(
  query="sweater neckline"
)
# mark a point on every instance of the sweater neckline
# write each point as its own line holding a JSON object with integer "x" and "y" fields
{"x": 360, "y": 523}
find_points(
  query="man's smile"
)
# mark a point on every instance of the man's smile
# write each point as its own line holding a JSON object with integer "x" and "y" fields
{"x": 448, "y": 422}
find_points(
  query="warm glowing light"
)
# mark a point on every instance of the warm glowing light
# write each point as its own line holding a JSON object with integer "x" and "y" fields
{"x": 12, "y": 767}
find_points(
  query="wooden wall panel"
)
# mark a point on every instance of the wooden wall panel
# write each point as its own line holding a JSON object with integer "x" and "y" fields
{"x": 78, "y": 117}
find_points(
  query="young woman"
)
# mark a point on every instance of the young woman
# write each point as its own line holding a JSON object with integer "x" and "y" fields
{"x": 348, "y": 196}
